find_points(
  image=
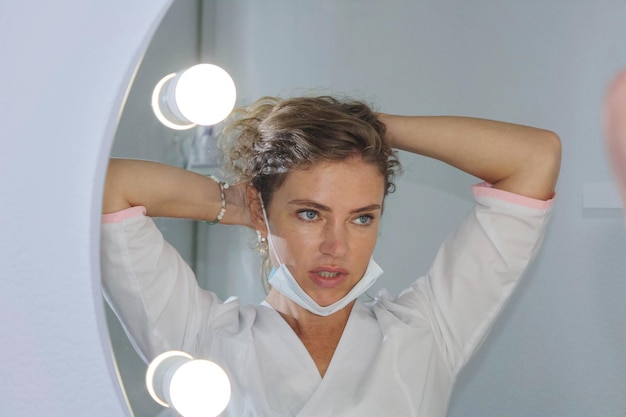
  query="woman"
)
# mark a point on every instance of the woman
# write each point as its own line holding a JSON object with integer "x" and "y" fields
{"x": 313, "y": 176}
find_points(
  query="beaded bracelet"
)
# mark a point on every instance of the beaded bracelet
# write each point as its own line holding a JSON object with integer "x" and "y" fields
{"x": 223, "y": 186}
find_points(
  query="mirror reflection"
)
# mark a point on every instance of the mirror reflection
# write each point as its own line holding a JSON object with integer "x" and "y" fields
{"x": 140, "y": 135}
{"x": 291, "y": 212}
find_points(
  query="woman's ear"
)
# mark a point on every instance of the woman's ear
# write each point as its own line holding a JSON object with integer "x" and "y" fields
{"x": 256, "y": 210}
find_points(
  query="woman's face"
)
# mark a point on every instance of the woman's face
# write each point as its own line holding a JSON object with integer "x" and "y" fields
{"x": 324, "y": 224}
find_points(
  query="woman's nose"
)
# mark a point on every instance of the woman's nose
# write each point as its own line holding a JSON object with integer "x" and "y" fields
{"x": 334, "y": 240}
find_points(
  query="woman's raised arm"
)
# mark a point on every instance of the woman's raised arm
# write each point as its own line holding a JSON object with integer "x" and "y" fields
{"x": 520, "y": 159}
{"x": 168, "y": 191}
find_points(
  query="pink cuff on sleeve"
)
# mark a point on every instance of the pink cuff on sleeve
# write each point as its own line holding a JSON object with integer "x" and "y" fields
{"x": 122, "y": 215}
{"x": 485, "y": 189}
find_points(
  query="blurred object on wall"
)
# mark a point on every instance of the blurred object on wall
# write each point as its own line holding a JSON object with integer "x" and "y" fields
{"x": 615, "y": 129}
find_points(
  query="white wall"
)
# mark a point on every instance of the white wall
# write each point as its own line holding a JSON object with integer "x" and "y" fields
{"x": 65, "y": 68}
{"x": 559, "y": 348}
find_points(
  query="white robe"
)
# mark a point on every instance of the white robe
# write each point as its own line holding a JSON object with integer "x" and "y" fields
{"x": 397, "y": 356}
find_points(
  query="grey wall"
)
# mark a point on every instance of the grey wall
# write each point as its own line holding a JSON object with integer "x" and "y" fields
{"x": 559, "y": 348}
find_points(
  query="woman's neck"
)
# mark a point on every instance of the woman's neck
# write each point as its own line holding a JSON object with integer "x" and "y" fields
{"x": 320, "y": 335}
{"x": 302, "y": 320}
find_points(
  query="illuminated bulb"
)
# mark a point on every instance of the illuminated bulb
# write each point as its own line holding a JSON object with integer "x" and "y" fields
{"x": 205, "y": 94}
{"x": 202, "y": 95}
{"x": 192, "y": 387}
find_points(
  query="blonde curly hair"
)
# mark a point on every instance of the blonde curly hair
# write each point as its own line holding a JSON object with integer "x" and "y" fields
{"x": 264, "y": 142}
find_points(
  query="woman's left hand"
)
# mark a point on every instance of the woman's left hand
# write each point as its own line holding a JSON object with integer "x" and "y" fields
{"x": 521, "y": 159}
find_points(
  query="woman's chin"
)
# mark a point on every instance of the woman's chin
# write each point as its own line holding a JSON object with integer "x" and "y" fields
{"x": 325, "y": 300}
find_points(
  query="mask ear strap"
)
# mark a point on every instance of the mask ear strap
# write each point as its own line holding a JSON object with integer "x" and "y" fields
{"x": 269, "y": 234}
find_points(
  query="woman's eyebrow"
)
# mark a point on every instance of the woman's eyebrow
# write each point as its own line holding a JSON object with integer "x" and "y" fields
{"x": 322, "y": 207}
{"x": 371, "y": 207}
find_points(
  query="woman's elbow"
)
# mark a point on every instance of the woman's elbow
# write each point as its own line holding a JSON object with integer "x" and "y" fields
{"x": 552, "y": 144}
{"x": 547, "y": 163}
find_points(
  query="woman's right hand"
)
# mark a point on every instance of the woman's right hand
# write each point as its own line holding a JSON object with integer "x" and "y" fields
{"x": 168, "y": 191}
{"x": 237, "y": 207}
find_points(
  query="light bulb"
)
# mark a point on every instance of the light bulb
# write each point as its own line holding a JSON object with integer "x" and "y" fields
{"x": 192, "y": 387}
{"x": 199, "y": 388}
{"x": 202, "y": 95}
{"x": 164, "y": 105}
{"x": 205, "y": 94}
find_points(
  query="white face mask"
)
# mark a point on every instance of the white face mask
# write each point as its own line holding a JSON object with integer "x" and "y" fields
{"x": 283, "y": 281}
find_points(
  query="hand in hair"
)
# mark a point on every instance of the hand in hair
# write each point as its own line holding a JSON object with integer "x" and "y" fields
{"x": 168, "y": 191}
{"x": 520, "y": 159}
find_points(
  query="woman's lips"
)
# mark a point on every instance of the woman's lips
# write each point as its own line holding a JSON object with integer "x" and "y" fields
{"x": 328, "y": 277}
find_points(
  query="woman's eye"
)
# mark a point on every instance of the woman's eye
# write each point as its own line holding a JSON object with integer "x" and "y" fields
{"x": 365, "y": 219}
{"x": 307, "y": 215}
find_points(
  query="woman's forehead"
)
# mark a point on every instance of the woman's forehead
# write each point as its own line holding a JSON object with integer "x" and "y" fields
{"x": 351, "y": 181}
